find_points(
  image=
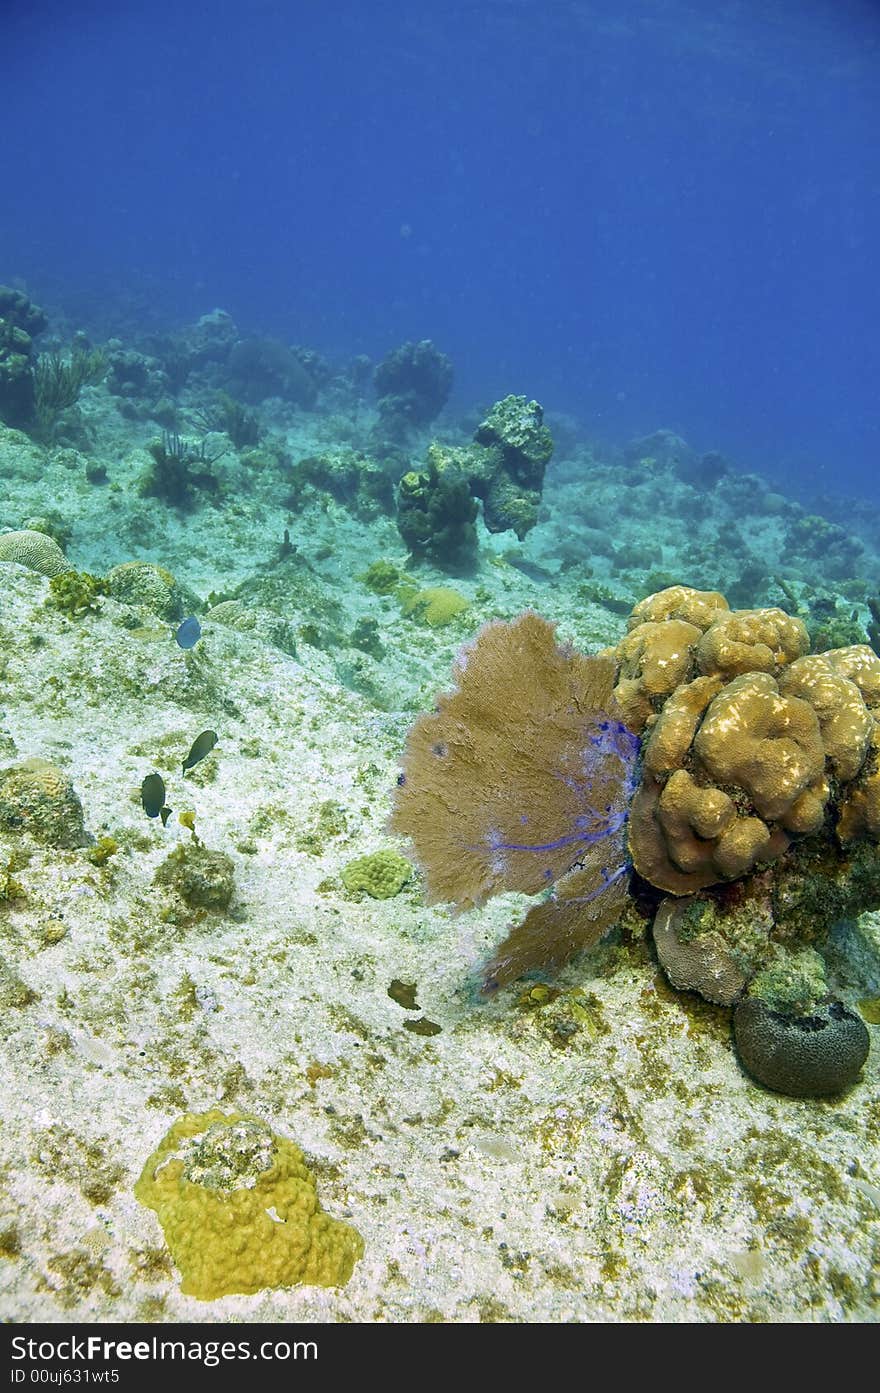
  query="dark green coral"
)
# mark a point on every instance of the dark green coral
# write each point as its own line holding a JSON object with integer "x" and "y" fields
{"x": 509, "y": 468}
{"x": 436, "y": 515}
{"x": 803, "y": 1055}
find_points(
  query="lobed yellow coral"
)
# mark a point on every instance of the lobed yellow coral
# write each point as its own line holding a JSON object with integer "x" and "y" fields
{"x": 767, "y": 744}
{"x": 861, "y": 665}
{"x": 749, "y": 740}
{"x": 845, "y": 723}
{"x": 751, "y": 640}
{"x": 654, "y": 660}
{"x": 239, "y": 1209}
{"x": 697, "y": 607}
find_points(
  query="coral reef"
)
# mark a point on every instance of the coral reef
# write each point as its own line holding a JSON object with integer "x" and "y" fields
{"x": 20, "y": 323}
{"x": 18, "y": 310}
{"x": 142, "y": 384}
{"x": 509, "y": 474}
{"x": 436, "y": 513}
{"x": 203, "y": 879}
{"x": 259, "y": 368}
{"x": 665, "y": 450}
{"x": 239, "y": 1209}
{"x": 436, "y": 508}
{"x": 811, "y": 537}
{"x": 413, "y": 384}
{"x": 255, "y": 619}
{"x": 504, "y": 467}
{"x": 279, "y": 975}
{"x": 147, "y": 587}
{"x": 209, "y": 340}
{"x": 350, "y": 476}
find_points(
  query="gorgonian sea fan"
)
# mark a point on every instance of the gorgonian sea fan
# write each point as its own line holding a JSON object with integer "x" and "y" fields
{"x": 521, "y": 779}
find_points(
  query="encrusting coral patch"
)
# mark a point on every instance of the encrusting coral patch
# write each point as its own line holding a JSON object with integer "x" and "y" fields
{"x": 239, "y": 1209}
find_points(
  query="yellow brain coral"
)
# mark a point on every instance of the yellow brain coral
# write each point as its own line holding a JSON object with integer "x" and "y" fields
{"x": 748, "y": 739}
{"x": 239, "y": 1209}
{"x": 436, "y": 606}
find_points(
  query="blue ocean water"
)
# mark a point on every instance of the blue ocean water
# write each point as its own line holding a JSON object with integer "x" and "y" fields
{"x": 642, "y": 212}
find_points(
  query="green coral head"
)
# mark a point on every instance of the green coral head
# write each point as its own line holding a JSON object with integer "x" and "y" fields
{"x": 381, "y": 875}
{"x": 794, "y": 984}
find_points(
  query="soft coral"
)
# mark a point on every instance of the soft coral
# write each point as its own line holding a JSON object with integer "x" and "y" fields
{"x": 521, "y": 779}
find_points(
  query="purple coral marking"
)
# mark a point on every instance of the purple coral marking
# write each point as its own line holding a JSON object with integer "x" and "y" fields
{"x": 612, "y": 739}
{"x": 598, "y": 834}
{"x": 609, "y": 878}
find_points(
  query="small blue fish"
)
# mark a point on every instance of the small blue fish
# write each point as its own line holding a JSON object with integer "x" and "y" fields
{"x": 189, "y": 632}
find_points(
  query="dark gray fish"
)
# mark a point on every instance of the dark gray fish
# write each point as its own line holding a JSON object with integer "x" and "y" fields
{"x": 201, "y": 746}
{"x": 153, "y": 797}
{"x": 189, "y": 632}
{"x": 530, "y": 568}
